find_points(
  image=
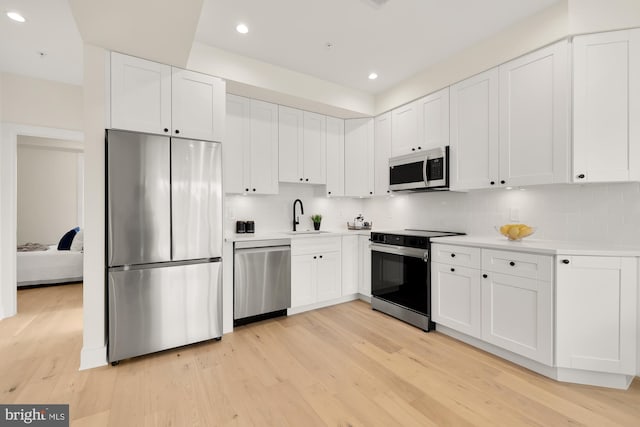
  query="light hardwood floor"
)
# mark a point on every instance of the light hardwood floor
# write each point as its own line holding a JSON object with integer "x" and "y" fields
{"x": 340, "y": 366}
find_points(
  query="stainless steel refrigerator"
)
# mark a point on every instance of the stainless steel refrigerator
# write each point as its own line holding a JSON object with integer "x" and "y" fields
{"x": 164, "y": 242}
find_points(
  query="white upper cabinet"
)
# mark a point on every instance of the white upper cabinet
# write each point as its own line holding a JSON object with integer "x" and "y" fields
{"x": 140, "y": 95}
{"x": 382, "y": 152}
{"x": 534, "y": 117}
{"x": 475, "y": 132}
{"x": 335, "y": 157}
{"x": 606, "y": 107}
{"x": 596, "y": 313}
{"x": 251, "y": 146}
{"x": 150, "y": 97}
{"x": 433, "y": 120}
{"x": 404, "y": 133}
{"x": 358, "y": 157}
{"x": 302, "y": 137}
{"x": 197, "y": 105}
{"x": 421, "y": 124}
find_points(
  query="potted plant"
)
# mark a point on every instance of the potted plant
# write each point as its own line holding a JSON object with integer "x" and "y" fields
{"x": 316, "y": 221}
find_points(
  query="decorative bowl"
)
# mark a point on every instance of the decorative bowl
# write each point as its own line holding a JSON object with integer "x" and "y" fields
{"x": 515, "y": 232}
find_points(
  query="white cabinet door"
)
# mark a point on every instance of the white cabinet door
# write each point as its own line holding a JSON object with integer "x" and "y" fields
{"x": 335, "y": 157}
{"x": 475, "y": 132}
{"x": 381, "y": 153}
{"x": 329, "y": 276}
{"x": 314, "y": 151}
{"x": 237, "y": 142}
{"x": 433, "y": 120}
{"x": 455, "y": 298}
{"x": 197, "y": 105}
{"x": 596, "y": 313}
{"x": 291, "y": 134}
{"x": 534, "y": 117}
{"x": 303, "y": 280}
{"x": 517, "y": 315}
{"x": 350, "y": 265}
{"x": 358, "y": 157}
{"x": 140, "y": 95}
{"x": 263, "y": 153}
{"x": 364, "y": 270}
{"x": 404, "y": 129}
{"x": 606, "y": 107}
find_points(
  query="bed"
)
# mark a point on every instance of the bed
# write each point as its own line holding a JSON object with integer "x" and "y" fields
{"x": 48, "y": 267}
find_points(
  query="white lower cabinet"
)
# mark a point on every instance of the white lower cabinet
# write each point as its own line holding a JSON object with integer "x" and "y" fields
{"x": 517, "y": 315}
{"x": 350, "y": 265}
{"x": 596, "y": 313}
{"x": 455, "y": 298}
{"x": 316, "y": 271}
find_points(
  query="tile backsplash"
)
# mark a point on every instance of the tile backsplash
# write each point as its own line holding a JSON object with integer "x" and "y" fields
{"x": 582, "y": 212}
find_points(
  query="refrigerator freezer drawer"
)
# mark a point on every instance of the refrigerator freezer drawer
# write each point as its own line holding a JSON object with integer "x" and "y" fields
{"x": 154, "y": 309}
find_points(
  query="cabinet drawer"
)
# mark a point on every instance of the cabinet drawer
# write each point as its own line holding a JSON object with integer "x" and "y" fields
{"x": 518, "y": 264}
{"x": 456, "y": 255}
{"x": 314, "y": 245}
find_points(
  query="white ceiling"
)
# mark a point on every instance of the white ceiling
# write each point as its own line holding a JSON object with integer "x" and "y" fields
{"x": 50, "y": 28}
{"x": 396, "y": 40}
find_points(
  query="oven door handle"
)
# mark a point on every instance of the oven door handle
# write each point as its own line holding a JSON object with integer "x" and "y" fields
{"x": 402, "y": 251}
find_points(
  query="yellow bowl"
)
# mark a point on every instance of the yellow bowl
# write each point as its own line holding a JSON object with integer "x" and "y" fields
{"x": 515, "y": 231}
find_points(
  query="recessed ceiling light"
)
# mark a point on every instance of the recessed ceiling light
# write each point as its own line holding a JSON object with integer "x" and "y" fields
{"x": 242, "y": 29}
{"x": 373, "y": 76}
{"x": 16, "y": 16}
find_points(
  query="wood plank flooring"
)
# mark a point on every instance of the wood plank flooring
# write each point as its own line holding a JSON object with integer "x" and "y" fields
{"x": 340, "y": 366}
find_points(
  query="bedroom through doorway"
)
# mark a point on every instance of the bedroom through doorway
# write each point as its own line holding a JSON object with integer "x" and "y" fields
{"x": 49, "y": 214}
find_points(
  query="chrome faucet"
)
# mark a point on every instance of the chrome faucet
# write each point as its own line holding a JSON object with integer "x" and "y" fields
{"x": 296, "y": 220}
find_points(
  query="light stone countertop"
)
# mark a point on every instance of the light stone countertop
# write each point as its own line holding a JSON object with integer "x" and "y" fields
{"x": 548, "y": 247}
{"x": 303, "y": 234}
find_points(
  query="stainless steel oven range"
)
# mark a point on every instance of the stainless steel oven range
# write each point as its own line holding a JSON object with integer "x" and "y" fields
{"x": 401, "y": 274}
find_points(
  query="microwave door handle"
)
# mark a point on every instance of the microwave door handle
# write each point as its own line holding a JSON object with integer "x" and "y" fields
{"x": 425, "y": 177}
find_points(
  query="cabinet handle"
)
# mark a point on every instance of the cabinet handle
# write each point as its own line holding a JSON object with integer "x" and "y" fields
{"x": 580, "y": 176}
{"x": 388, "y": 191}
{"x": 254, "y": 189}
{"x": 512, "y": 264}
{"x": 301, "y": 179}
{"x": 329, "y": 192}
{"x": 484, "y": 276}
{"x": 314, "y": 257}
{"x": 565, "y": 261}
{"x": 453, "y": 269}
{"x": 419, "y": 148}
{"x": 492, "y": 183}
{"x": 370, "y": 192}
{"x": 307, "y": 179}
{"x": 177, "y": 131}
{"x": 413, "y": 149}
{"x": 320, "y": 256}
{"x": 453, "y": 255}
{"x": 503, "y": 182}
{"x": 166, "y": 130}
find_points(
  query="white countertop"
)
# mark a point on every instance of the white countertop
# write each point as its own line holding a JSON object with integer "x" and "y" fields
{"x": 549, "y": 247}
{"x": 304, "y": 234}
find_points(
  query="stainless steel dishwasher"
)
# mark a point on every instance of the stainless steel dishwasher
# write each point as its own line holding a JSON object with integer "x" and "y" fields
{"x": 261, "y": 280}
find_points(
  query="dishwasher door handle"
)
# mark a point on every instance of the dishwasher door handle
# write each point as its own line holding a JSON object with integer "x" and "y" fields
{"x": 263, "y": 249}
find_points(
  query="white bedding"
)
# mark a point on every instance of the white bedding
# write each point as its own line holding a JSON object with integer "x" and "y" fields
{"x": 50, "y": 266}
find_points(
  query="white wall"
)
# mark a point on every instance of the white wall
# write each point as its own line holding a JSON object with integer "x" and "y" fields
{"x": 94, "y": 340}
{"x": 587, "y": 16}
{"x": 37, "y": 102}
{"x": 257, "y": 79}
{"x": 47, "y": 190}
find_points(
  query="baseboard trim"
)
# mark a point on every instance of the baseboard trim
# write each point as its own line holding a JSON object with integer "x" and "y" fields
{"x": 93, "y": 357}
{"x": 302, "y": 309}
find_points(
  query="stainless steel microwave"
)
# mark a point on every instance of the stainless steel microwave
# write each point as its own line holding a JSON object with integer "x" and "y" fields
{"x": 425, "y": 170}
